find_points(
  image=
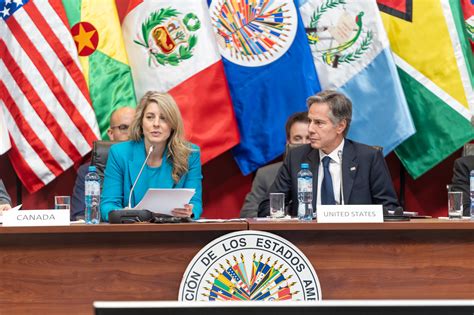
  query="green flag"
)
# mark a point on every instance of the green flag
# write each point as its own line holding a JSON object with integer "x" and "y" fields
{"x": 96, "y": 30}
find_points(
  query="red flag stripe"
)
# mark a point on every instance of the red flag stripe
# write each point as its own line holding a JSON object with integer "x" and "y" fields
{"x": 28, "y": 177}
{"x": 55, "y": 122}
{"x": 57, "y": 7}
{"x": 132, "y": 4}
{"x": 55, "y": 86}
{"x": 29, "y": 155}
{"x": 30, "y": 114}
{"x": 207, "y": 131}
{"x": 59, "y": 48}
{"x": 32, "y": 77}
{"x": 47, "y": 107}
{"x": 43, "y": 112}
{"x": 28, "y": 133}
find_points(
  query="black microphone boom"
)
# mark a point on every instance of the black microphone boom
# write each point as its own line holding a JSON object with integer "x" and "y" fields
{"x": 150, "y": 150}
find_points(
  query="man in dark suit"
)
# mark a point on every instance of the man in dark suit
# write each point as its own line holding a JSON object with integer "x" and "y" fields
{"x": 363, "y": 174}
{"x": 461, "y": 172}
{"x": 120, "y": 121}
{"x": 296, "y": 134}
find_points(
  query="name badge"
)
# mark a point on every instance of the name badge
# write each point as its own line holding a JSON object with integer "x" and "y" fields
{"x": 36, "y": 218}
{"x": 350, "y": 213}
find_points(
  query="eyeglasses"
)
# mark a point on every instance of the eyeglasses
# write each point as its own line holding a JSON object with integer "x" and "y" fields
{"x": 123, "y": 127}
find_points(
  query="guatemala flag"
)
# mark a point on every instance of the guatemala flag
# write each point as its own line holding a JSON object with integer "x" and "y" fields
{"x": 352, "y": 54}
{"x": 269, "y": 69}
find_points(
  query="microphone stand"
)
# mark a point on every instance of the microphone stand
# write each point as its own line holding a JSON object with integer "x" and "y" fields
{"x": 150, "y": 150}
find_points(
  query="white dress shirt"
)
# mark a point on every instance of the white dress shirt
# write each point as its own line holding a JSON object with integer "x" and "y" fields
{"x": 335, "y": 170}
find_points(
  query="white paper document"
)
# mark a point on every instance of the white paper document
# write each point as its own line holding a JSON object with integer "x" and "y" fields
{"x": 164, "y": 200}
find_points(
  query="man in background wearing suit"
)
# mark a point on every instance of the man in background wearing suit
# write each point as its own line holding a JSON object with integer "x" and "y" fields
{"x": 5, "y": 201}
{"x": 461, "y": 172}
{"x": 334, "y": 161}
{"x": 296, "y": 133}
{"x": 120, "y": 121}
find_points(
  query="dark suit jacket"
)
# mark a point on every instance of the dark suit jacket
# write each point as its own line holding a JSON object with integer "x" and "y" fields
{"x": 78, "y": 193}
{"x": 365, "y": 176}
{"x": 261, "y": 184}
{"x": 462, "y": 168}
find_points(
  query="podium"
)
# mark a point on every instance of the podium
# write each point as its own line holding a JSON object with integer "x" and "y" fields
{"x": 60, "y": 270}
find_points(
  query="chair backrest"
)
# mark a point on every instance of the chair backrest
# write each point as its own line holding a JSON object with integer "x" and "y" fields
{"x": 468, "y": 149}
{"x": 100, "y": 153}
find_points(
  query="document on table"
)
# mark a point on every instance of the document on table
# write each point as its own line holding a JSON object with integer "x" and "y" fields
{"x": 12, "y": 209}
{"x": 163, "y": 201}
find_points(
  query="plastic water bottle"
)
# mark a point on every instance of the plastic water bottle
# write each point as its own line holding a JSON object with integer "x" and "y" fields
{"x": 305, "y": 193}
{"x": 92, "y": 195}
{"x": 471, "y": 192}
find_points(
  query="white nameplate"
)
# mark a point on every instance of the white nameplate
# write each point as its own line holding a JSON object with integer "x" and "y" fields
{"x": 350, "y": 214}
{"x": 36, "y": 217}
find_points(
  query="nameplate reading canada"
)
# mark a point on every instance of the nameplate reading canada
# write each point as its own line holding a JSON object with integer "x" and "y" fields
{"x": 350, "y": 214}
{"x": 36, "y": 218}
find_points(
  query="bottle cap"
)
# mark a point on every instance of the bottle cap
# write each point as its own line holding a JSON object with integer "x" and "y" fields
{"x": 92, "y": 168}
{"x": 304, "y": 165}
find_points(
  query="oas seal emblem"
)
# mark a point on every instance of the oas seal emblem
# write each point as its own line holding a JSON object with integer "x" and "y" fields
{"x": 338, "y": 37}
{"x": 249, "y": 265}
{"x": 254, "y": 33}
{"x": 167, "y": 38}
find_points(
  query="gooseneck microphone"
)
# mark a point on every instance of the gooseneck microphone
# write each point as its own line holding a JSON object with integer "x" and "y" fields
{"x": 150, "y": 150}
{"x": 341, "y": 195}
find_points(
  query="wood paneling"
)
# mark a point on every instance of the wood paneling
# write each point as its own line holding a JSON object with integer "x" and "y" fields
{"x": 421, "y": 259}
{"x": 65, "y": 270}
{"x": 61, "y": 270}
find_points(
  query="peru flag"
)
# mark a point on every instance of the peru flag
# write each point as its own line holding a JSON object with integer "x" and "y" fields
{"x": 171, "y": 48}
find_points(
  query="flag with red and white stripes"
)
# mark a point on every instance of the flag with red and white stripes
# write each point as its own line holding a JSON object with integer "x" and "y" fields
{"x": 43, "y": 93}
{"x": 5, "y": 144}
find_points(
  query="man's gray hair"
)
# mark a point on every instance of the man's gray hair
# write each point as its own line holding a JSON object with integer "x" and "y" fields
{"x": 340, "y": 106}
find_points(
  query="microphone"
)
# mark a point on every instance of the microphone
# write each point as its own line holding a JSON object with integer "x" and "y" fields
{"x": 150, "y": 150}
{"x": 341, "y": 195}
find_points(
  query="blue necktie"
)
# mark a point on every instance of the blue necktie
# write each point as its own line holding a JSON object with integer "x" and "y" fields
{"x": 327, "y": 191}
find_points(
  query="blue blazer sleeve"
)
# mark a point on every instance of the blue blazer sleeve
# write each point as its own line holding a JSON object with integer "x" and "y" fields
{"x": 112, "y": 192}
{"x": 193, "y": 179}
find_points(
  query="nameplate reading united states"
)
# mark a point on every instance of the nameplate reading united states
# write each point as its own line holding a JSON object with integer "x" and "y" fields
{"x": 36, "y": 218}
{"x": 350, "y": 214}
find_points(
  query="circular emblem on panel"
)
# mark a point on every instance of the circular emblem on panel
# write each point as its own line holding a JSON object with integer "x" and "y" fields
{"x": 254, "y": 33}
{"x": 168, "y": 36}
{"x": 250, "y": 266}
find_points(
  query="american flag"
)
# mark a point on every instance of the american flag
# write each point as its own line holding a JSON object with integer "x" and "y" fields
{"x": 44, "y": 97}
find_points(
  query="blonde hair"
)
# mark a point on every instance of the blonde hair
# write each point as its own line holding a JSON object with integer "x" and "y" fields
{"x": 178, "y": 148}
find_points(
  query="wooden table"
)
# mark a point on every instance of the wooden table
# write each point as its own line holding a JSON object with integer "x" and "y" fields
{"x": 61, "y": 270}
{"x": 420, "y": 259}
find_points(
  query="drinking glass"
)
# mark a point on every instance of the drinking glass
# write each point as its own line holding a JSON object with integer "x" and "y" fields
{"x": 455, "y": 206}
{"x": 277, "y": 205}
{"x": 62, "y": 202}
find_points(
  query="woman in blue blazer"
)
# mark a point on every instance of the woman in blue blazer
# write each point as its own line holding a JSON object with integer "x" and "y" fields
{"x": 157, "y": 130}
